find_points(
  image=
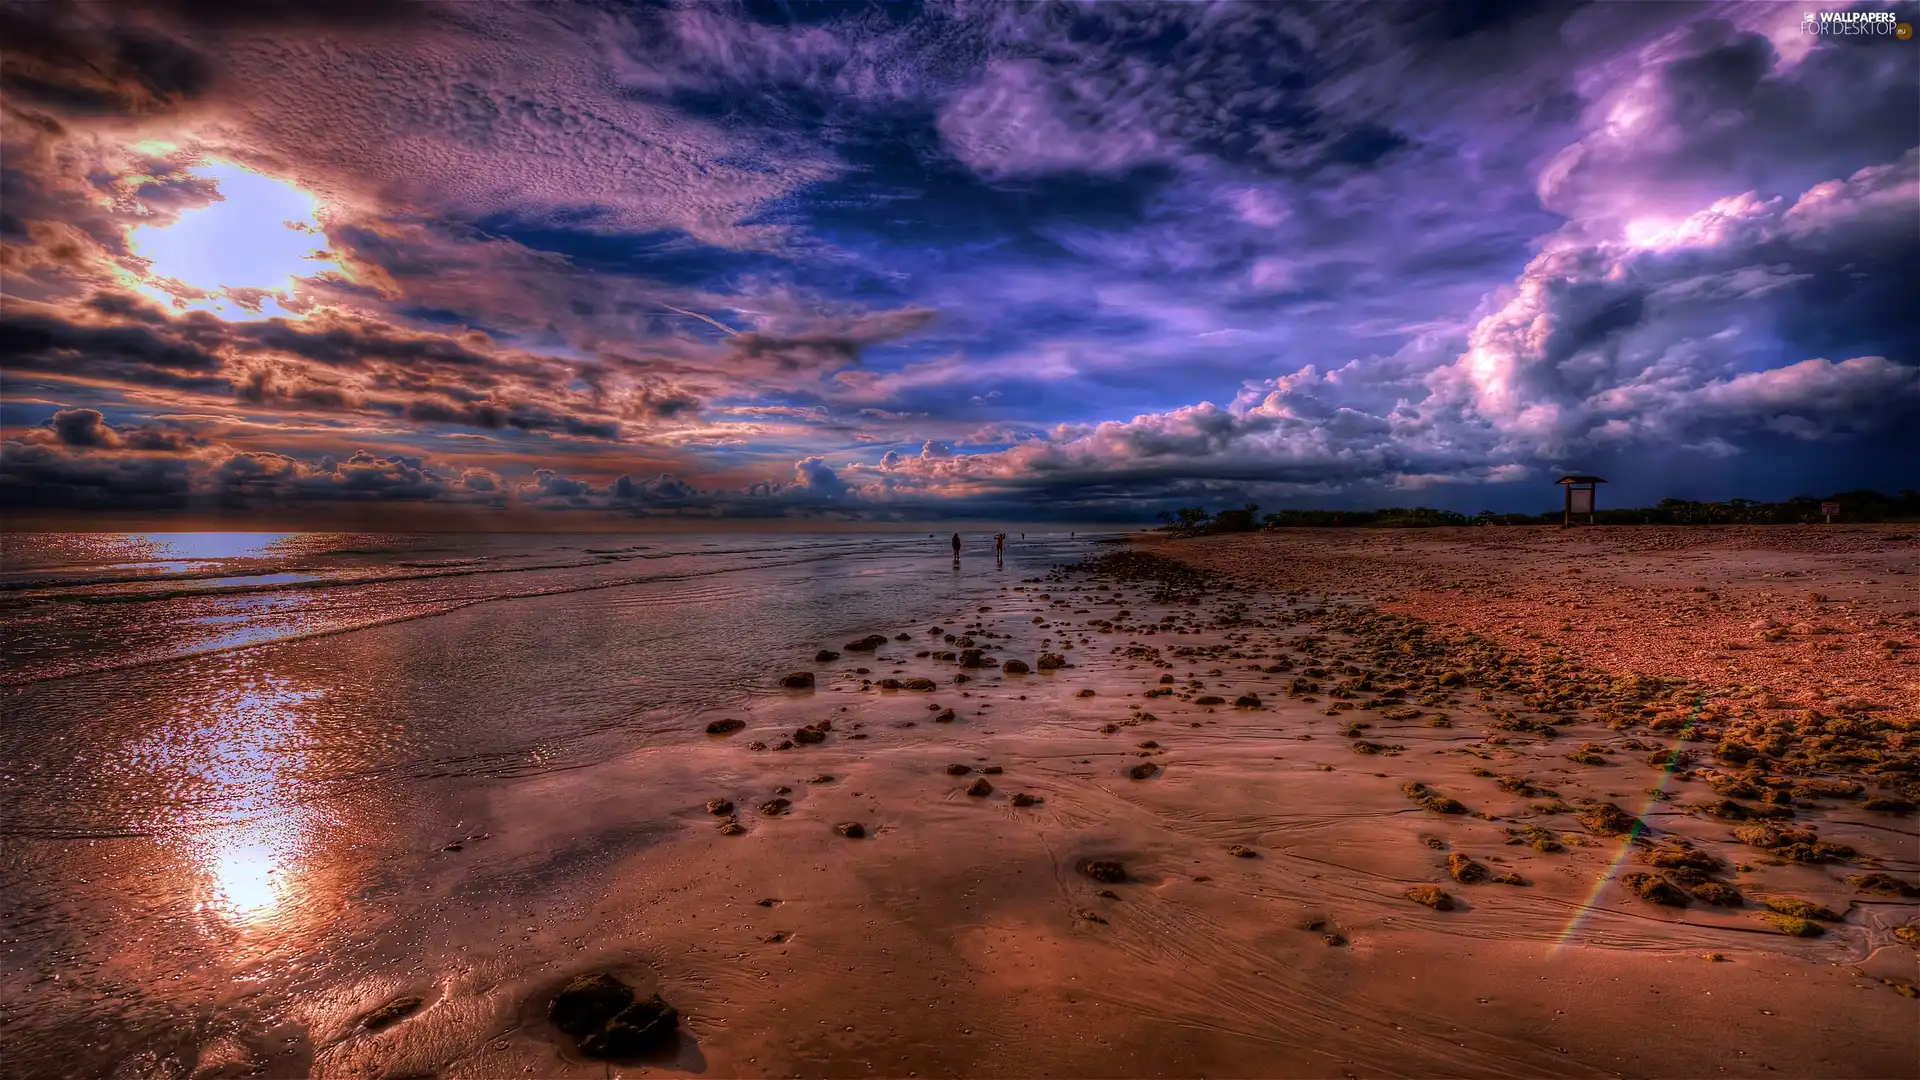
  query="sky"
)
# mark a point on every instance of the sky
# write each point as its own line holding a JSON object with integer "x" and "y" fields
{"x": 911, "y": 262}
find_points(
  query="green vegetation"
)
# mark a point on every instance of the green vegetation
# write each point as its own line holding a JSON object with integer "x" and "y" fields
{"x": 1855, "y": 506}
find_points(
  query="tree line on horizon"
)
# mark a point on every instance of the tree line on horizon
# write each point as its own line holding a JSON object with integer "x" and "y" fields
{"x": 1855, "y": 506}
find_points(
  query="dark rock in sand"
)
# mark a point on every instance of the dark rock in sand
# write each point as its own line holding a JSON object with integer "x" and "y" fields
{"x": 945, "y": 717}
{"x": 1431, "y": 897}
{"x": 798, "y": 680}
{"x": 959, "y": 770}
{"x": 587, "y": 1003}
{"x": 775, "y": 807}
{"x": 992, "y": 770}
{"x": 1210, "y": 699}
{"x": 783, "y": 744}
{"x": 852, "y": 830}
{"x": 1015, "y": 667}
{"x": 903, "y": 637}
{"x": 1239, "y": 851}
{"x": 1021, "y": 798}
{"x": 810, "y": 735}
{"x": 720, "y": 807}
{"x": 866, "y": 644}
{"x": 979, "y": 787}
{"x": 1051, "y": 660}
{"x": 823, "y": 778}
{"x": 1246, "y": 701}
{"x": 725, "y": 727}
{"x": 1143, "y": 771}
{"x": 825, "y": 656}
{"x": 640, "y": 1028}
{"x": 391, "y": 1013}
{"x": 1090, "y": 916}
{"x": 732, "y": 827}
{"x": 920, "y": 684}
{"x": 1106, "y": 870}
{"x": 889, "y": 684}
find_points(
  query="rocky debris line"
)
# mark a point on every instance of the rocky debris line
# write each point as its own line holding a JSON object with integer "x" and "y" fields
{"x": 605, "y": 1021}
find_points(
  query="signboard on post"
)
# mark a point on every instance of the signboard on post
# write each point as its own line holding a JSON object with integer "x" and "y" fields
{"x": 1829, "y": 509}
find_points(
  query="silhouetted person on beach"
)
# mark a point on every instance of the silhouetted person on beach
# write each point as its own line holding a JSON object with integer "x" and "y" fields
{"x": 956, "y": 546}
{"x": 999, "y": 543}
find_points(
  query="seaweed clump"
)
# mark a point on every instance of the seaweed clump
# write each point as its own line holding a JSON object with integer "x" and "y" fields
{"x": 1431, "y": 799}
{"x": 1654, "y": 889}
{"x": 1465, "y": 870}
{"x": 1794, "y": 845}
{"x": 1798, "y": 908}
{"x": 1607, "y": 819}
{"x": 1537, "y": 838}
{"x": 1883, "y": 884}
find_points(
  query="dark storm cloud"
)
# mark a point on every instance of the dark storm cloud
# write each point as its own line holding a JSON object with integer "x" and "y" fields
{"x": 131, "y": 355}
{"x": 59, "y": 58}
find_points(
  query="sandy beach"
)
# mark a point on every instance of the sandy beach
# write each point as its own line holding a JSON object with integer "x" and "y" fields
{"x": 1241, "y": 814}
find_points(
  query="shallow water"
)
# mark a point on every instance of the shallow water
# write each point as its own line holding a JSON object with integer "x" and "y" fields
{"x": 220, "y": 753}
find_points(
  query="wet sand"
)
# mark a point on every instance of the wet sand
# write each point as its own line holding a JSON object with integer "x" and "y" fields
{"x": 1263, "y": 924}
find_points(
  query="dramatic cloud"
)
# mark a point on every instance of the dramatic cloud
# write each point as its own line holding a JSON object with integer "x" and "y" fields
{"x": 961, "y": 260}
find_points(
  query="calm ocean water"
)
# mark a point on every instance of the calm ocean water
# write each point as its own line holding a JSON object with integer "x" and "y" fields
{"x": 210, "y": 743}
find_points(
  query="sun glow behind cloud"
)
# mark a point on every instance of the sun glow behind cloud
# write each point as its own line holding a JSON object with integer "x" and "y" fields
{"x": 240, "y": 257}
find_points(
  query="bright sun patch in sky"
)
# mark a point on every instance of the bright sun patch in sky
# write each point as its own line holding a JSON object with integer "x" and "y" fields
{"x": 244, "y": 252}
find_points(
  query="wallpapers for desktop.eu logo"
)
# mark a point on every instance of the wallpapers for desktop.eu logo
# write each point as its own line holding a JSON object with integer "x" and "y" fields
{"x": 1856, "y": 23}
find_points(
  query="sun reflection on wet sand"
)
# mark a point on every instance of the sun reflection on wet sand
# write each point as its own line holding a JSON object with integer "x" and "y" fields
{"x": 247, "y": 883}
{"x": 236, "y": 769}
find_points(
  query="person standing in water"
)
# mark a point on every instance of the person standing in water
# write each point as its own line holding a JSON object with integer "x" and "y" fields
{"x": 999, "y": 543}
{"x": 956, "y": 547}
